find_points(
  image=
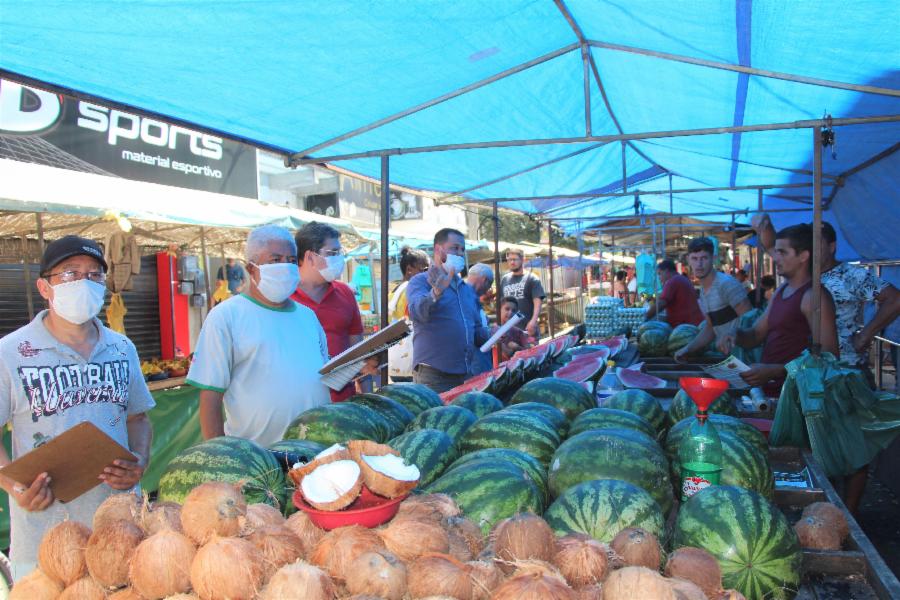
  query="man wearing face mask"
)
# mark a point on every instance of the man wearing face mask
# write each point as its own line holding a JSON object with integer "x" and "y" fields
{"x": 445, "y": 317}
{"x": 246, "y": 357}
{"x": 60, "y": 370}
{"x": 480, "y": 279}
{"x": 321, "y": 260}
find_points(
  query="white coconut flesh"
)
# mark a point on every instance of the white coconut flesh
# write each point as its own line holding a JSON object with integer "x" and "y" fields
{"x": 392, "y": 466}
{"x": 329, "y": 482}
{"x": 333, "y": 449}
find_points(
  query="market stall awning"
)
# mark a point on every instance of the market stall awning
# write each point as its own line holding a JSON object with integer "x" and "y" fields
{"x": 351, "y": 80}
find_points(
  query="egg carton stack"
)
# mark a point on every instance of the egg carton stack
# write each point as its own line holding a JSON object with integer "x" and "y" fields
{"x": 630, "y": 318}
{"x": 601, "y": 316}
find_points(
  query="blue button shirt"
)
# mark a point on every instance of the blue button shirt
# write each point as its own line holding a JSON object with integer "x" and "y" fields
{"x": 445, "y": 331}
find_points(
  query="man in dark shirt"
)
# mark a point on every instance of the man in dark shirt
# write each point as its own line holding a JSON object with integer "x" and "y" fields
{"x": 525, "y": 287}
{"x": 678, "y": 297}
{"x": 233, "y": 274}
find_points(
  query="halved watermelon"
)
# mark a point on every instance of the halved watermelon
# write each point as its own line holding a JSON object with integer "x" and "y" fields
{"x": 615, "y": 344}
{"x": 636, "y": 379}
{"x": 581, "y": 368}
{"x": 538, "y": 353}
{"x": 479, "y": 383}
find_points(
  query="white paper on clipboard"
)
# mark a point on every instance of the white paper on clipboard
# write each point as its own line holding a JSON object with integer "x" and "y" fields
{"x": 729, "y": 370}
{"x": 344, "y": 367}
{"x": 513, "y": 320}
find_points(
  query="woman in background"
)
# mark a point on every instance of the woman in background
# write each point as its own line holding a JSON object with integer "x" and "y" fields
{"x": 412, "y": 262}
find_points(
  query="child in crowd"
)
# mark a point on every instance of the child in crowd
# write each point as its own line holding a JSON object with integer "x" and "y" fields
{"x": 515, "y": 339}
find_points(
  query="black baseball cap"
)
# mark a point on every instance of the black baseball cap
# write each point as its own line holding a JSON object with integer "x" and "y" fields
{"x": 67, "y": 247}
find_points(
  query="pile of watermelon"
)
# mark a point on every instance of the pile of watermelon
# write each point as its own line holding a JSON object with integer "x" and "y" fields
{"x": 511, "y": 442}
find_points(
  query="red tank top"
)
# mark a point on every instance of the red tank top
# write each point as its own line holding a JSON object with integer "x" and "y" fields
{"x": 789, "y": 333}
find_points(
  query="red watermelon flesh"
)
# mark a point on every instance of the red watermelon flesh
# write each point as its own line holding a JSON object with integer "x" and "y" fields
{"x": 479, "y": 383}
{"x": 581, "y": 369}
{"x": 601, "y": 354}
{"x": 636, "y": 379}
{"x": 615, "y": 344}
{"x": 539, "y": 353}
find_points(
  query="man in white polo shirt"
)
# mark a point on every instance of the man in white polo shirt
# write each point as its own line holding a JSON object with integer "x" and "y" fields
{"x": 259, "y": 353}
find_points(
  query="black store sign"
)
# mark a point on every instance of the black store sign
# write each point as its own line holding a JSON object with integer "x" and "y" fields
{"x": 56, "y": 130}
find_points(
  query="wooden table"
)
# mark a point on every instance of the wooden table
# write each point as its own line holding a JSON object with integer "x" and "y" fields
{"x": 164, "y": 384}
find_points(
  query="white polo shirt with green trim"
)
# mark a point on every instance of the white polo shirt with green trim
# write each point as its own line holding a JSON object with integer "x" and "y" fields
{"x": 265, "y": 360}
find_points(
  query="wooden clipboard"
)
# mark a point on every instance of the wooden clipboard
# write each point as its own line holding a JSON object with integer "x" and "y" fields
{"x": 74, "y": 460}
{"x": 391, "y": 334}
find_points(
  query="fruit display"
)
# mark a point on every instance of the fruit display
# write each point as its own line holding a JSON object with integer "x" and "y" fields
{"x": 156, "y": 369}
{"x": 683, "y": 407}
{"x": 680, "y": 337}
{"x": 640, "y": 403}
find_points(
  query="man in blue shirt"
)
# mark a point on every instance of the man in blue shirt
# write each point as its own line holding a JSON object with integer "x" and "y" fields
{"x": 445, "y": 316}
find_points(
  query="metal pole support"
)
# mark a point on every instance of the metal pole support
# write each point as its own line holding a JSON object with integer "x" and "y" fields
{"x": 385, "y": 241}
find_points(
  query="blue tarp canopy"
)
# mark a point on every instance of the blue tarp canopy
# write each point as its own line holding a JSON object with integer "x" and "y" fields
{"x": 323, "y": 79}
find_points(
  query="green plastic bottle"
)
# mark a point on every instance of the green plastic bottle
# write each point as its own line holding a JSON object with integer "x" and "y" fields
{"x": 700, "y": 455}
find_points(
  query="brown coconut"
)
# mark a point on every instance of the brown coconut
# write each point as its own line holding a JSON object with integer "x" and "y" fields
{"x": 731, "y": 595}
{"x": 534, "y": 586}
{"x": 817, "y": 533}
{"x": 435, "y": 507}
{"x": 831, "y": 514}
{"x": 378, "y": 482}
{"x": 630, "y": 583}
{"x": 438, "y": 575}
{"x": 306, "y": 531}
{"x": 83, "y": 589}
{"x": 161, "y": 565}
{"x": 341, "y": 546}
{"x": 125, "y": 506}
{"x": 278, "y": 545}
{"x": 687, "y": 590}
{"x": 213, "y": 508}
{"x": 697, "y": 566}
{"x": 160, "y": 515}
{"x": 109, "y": 551}
{"x": 227, "y": 568}
{"x": 523, "y": 537}
{"x": 410, "y": 539}
{"x": 263, "y": 515}
{"x": 589, "y": 592}
{"x": 582, "y": 560}
{"x": 183, "y": 597}
{"x": 61, "y": 553}
{"x": 486, "y": 576}
{"x": 379, "y": 573}
{"x": 126, "y": 594}
{"x": 461, "y": 530}
{"x": 638, "y": 548}
{"x": 299, "y": 581}
{"x": 35, "y": 586}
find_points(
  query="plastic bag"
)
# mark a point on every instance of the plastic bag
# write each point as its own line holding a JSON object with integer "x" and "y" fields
{"x": 222, "y": 292}
{"x": 115, "y": 313}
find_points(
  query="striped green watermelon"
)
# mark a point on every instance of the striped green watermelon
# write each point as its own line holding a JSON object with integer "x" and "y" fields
{"x": 414, "y": 396}
{"x": 549, "y": 412}
{"x": 653, "y": 342}
{"x": 683, "y": 407}
{"x": 623, "y": 454}
{"x": 429, "y": 449}
{"x": 722, "y": 423}
{"x": 303, "y": 450}
{"x": 530, "y": 464}
{"x": 640, "y": 403}
{"x": 743, "y": 465}
{"x": 605, "y": 418}
{"x": 754, "y": 543}
{"x": 480, "y": 403}
{"x": 397, "y": 415}
{"x": 517, "y": 429}
{"x": 489, "y": 491}
{"x": 337, "y": 424}
{"x": 568, "y": 396}
{"x": 654, "y": 324}
{"x": 601, "y": 508}
{"x": 452, "y": 420}
{"x": 228, "y": 459}
{"x": 680, "y": 337}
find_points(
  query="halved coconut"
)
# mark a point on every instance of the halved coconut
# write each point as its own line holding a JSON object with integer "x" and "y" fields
{"x": 384, "y": 471}
{"x": 333, "y": 453}
{"x": 332, "y": 486}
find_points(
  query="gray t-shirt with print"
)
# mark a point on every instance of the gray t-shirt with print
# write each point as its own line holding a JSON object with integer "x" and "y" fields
{"x": 47, "y": 388}
{"x": 851, "y": 287}
{"x": 720, "y": 302}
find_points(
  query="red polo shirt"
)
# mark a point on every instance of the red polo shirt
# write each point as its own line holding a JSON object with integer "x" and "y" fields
{"x": 681, "y": 302}
{"x": 339, "y": 316}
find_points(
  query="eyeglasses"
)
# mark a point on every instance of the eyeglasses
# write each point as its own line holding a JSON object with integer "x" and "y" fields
{"x": 330, "y": 253}
{"x": 70, "y": 276}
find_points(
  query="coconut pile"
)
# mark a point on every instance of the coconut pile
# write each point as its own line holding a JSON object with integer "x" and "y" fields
{"x": 217, "y": 547}
{"x": 333, "y": 480}
{"x": 822, "y": 526}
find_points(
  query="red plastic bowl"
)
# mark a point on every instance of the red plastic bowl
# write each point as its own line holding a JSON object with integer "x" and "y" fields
{"x": 369, "y": 510}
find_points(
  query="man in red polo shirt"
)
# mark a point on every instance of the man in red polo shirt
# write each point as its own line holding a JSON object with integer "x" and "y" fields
{"x": 678, "y": 297}
{"x": 321, "y": 261}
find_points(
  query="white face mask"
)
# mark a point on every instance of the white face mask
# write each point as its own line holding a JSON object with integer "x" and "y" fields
{"x": 334, "y": 266}
{"x": 78, "y": 301}
{"x": 278, "y": 281}
{"x": 455, "y": 262}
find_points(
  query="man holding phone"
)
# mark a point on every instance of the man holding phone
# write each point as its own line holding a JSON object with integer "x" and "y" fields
{"x": 444, "y": 312}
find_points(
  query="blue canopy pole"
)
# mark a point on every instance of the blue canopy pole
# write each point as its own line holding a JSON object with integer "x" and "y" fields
{"x": 385, "y": 242}
{"x": 759, "y": 256}
{"x": 498, "y": 300}
{"x": 552, "y": 320}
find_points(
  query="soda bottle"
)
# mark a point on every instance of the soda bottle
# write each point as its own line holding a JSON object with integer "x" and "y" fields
{"x": 700, "y": 455}
{"x": 609, "y": 384}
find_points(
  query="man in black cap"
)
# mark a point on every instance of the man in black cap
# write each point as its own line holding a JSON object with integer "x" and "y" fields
{"x": 59, "y": 370}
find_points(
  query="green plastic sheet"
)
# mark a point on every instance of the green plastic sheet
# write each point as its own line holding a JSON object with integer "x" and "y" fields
{"x": 175, "y": 427}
